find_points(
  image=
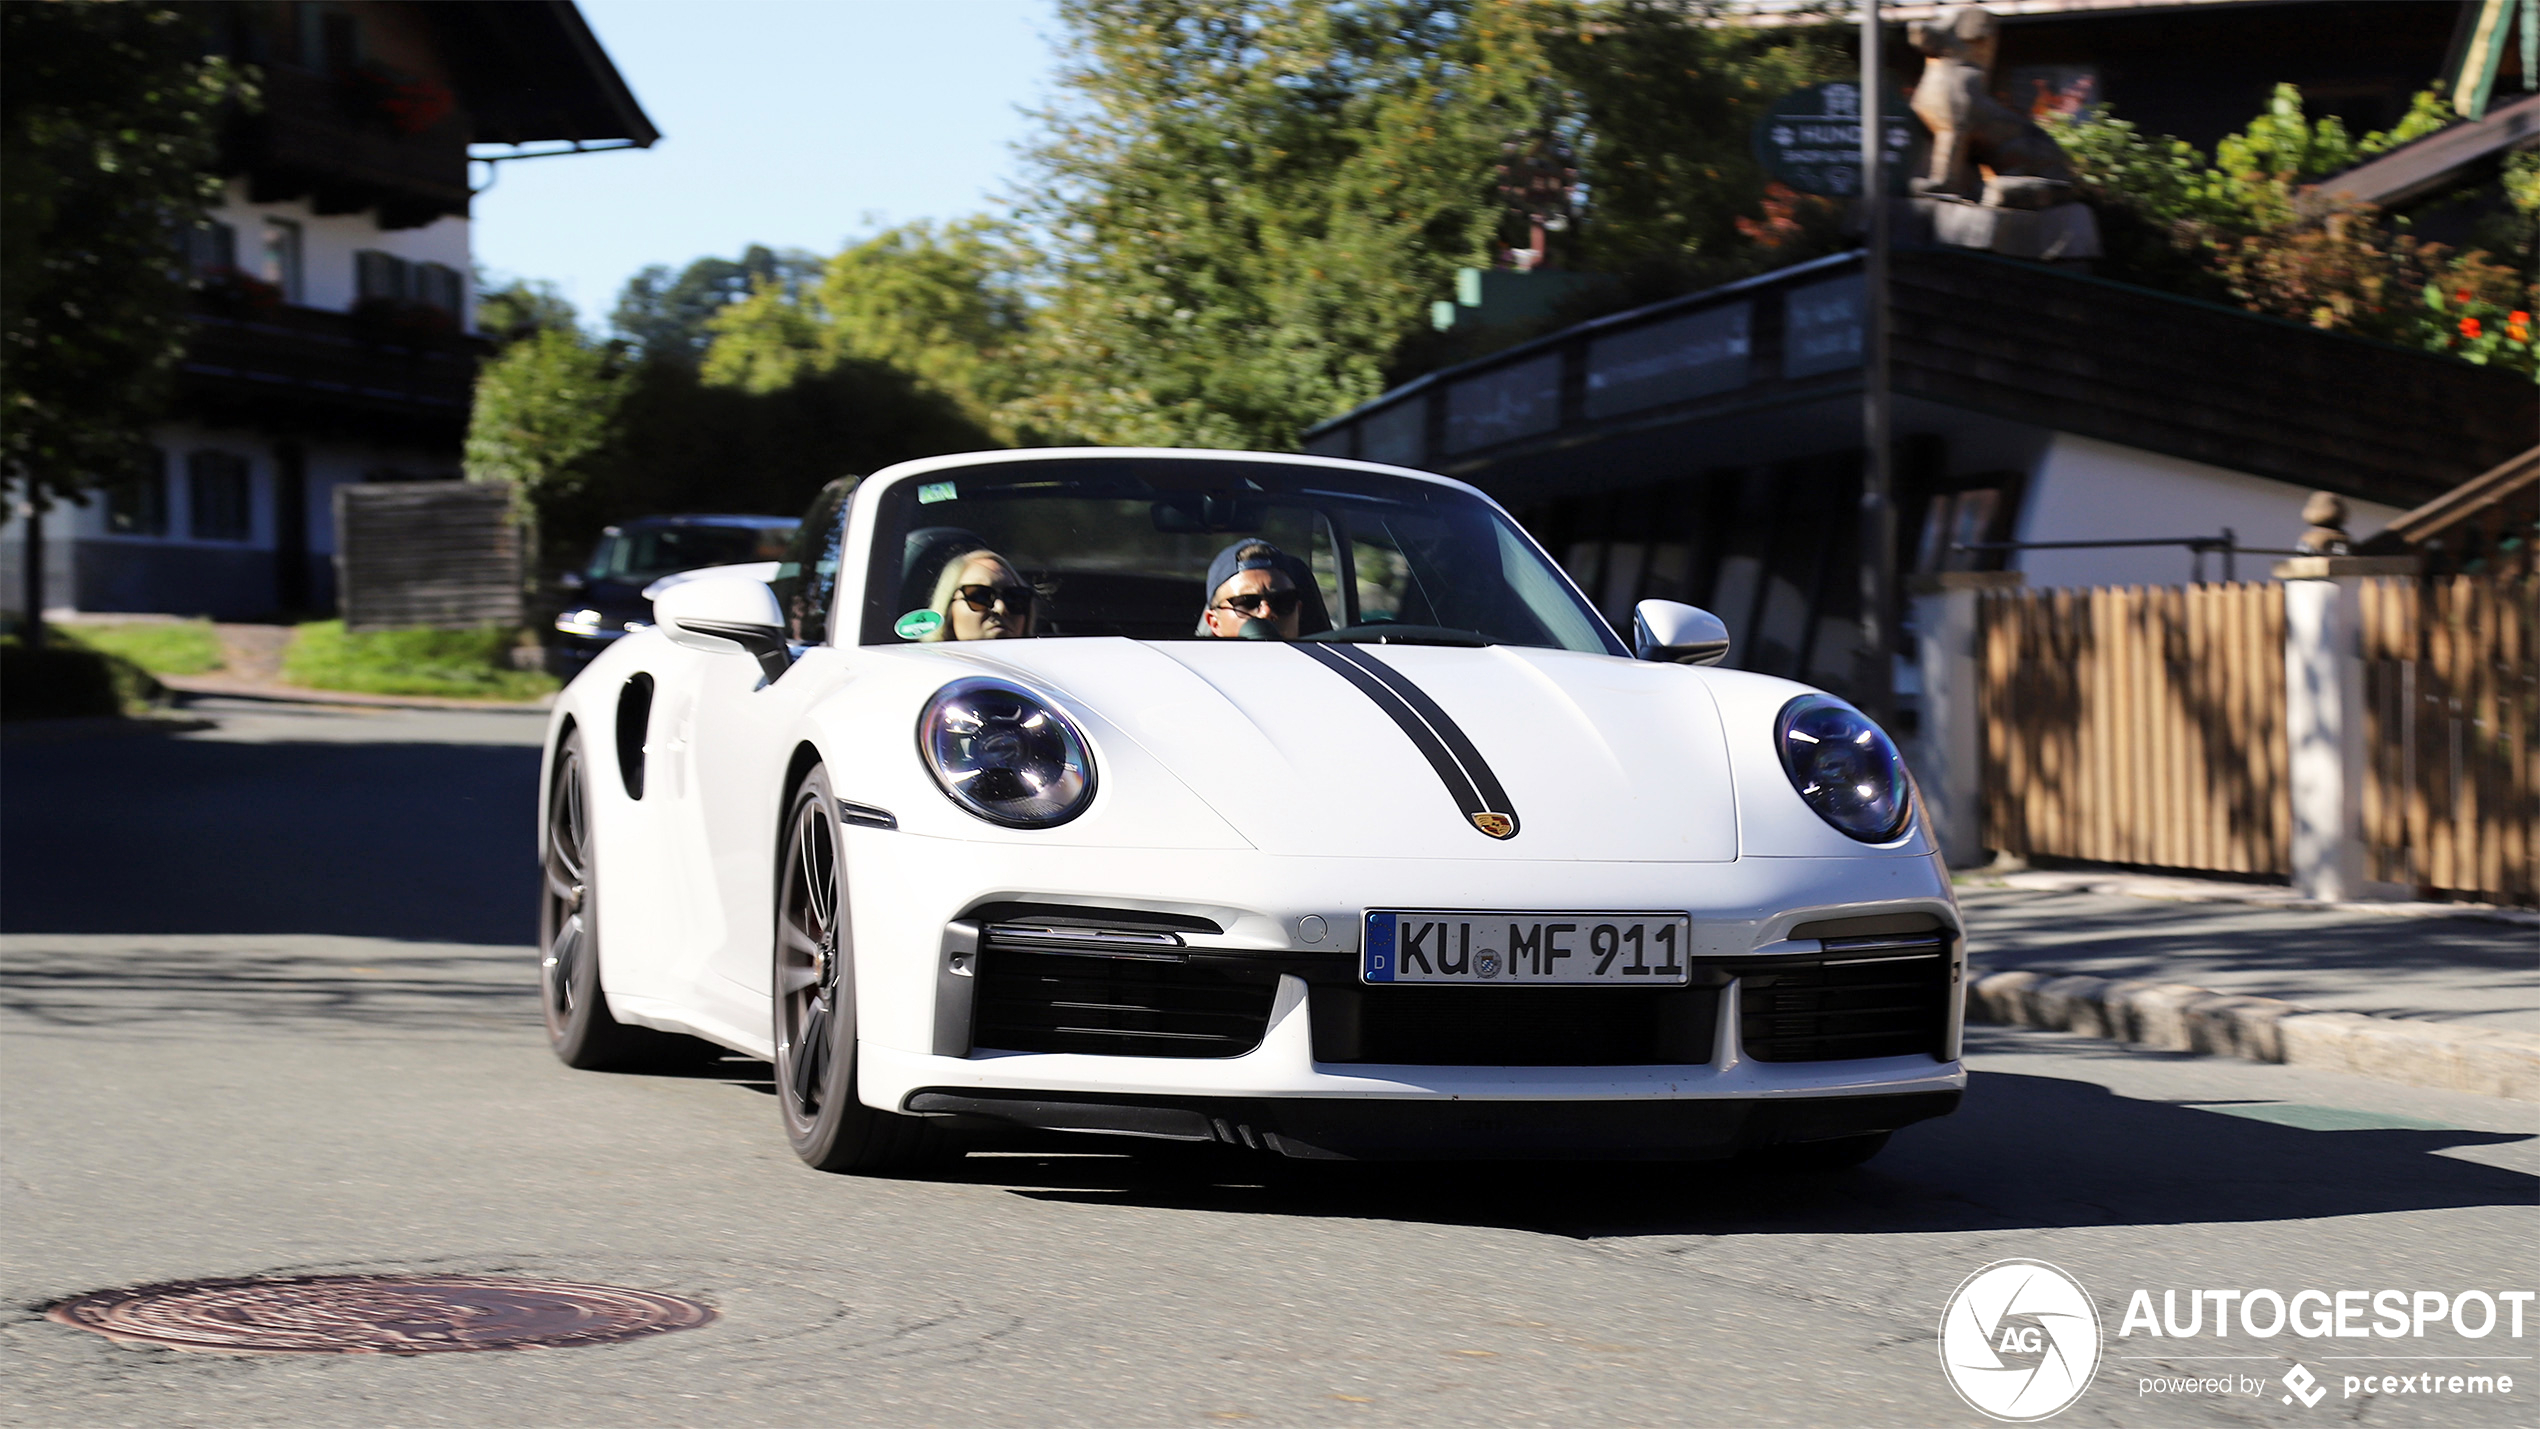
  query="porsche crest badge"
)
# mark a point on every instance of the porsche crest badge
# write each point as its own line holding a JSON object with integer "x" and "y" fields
{"x": 1498, "y": 826}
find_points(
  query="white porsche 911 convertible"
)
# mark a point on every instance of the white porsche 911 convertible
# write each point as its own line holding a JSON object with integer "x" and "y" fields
{"x": 1276, "y": 802}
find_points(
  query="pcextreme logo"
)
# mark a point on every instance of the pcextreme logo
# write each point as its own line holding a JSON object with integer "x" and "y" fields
{"x": 2019, "y": 1341}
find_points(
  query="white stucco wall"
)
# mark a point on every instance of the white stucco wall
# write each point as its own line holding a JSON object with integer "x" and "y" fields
{"x": 328, "y": 464}
{"x": 329, "y": 241}
{"x": 2083, "y": 489}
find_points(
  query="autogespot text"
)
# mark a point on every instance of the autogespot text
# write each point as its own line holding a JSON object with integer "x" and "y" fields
{"x": 2328, "y": 1314}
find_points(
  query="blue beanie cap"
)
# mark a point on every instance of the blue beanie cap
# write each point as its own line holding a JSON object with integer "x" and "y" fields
{"x": 1228, "y": 565}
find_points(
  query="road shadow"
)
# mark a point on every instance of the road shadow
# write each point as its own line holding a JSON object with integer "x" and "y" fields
{"x": 2024, "y": 1152}
{"x": 421, "y": 842}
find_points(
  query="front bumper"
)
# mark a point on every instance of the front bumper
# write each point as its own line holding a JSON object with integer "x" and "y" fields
{"x": 1336, "y": 1129}
{"x": 1707, "y": 1093}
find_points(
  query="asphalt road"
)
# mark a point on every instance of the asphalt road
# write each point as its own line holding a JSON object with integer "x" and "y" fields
{"x": 269, "y": 1007}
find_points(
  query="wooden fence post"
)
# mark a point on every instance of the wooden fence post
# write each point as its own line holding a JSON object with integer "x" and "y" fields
{"x": 1948, "y": 751}
{"x": 2324, "y": 722}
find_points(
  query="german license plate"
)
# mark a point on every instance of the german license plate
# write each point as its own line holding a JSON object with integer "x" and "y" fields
{"x": 1430, "y": 945}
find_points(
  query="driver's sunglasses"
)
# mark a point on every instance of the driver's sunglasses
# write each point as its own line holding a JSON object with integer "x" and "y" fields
{"x": 984, "y": 598}
{"x": 1282, "y": 603}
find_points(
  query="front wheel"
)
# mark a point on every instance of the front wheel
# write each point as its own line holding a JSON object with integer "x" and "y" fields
{"x": 579, "y": 1026}
{"x": 814, "y": 986}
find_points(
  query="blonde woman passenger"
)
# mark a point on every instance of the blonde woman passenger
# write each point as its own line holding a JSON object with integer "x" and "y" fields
{"x": 981, "y": 597}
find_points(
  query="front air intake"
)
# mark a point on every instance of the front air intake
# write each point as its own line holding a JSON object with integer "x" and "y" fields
{"x": 1123, "y": 992}
{"x": 1862, "y": 997}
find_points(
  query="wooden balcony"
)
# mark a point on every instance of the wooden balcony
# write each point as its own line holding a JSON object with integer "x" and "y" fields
{"x": 310, "y": 371}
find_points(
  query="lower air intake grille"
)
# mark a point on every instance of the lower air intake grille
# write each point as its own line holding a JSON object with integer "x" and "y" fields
{"x": 1135, "y": 1006}
{"x": 1864, "y": 997}
{"x": 1512, "y": 1027}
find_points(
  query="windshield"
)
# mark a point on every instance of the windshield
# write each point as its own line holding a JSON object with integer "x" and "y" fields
{"x": 640, "y": 553}
{"x": 1158, "y": 548}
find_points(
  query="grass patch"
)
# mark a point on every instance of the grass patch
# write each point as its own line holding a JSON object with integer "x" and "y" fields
{"x": 162, "y": 647}
{"x": 468, "y": 664}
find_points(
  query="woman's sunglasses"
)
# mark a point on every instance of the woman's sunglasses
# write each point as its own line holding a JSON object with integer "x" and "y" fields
{"x": 1281, "y": 603}
{"x": 984, "y": 598}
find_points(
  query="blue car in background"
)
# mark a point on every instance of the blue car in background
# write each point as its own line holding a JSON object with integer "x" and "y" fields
{"x": 609, "y": 597}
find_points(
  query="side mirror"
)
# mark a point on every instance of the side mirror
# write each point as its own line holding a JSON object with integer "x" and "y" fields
{"x": 1683, "y": 634}
{"x": 726, "y": 614}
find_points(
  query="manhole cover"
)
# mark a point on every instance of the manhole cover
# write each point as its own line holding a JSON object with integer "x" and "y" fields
{"x": 377, "y": 1314}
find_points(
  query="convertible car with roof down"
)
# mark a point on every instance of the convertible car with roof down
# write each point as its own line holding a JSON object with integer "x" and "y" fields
{"x": 1282, "y": 803}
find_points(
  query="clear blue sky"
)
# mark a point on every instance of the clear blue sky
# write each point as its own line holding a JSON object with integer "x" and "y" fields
{"x": 793, "y": 123}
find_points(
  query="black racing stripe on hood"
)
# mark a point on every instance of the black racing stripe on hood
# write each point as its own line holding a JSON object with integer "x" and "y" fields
{"x": 1468, "y": 780}
{"x": 1485, "y": 782}
{"x": 1467, "y": 798}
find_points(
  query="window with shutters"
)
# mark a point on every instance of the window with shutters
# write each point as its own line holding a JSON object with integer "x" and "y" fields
{"x": 378, "y": 275}
{"x": 436, "y": 285}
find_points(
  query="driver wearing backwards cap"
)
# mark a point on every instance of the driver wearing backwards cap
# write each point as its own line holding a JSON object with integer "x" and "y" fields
{"x": 1252, "y": 595}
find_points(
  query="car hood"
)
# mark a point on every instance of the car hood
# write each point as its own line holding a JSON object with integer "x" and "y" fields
{"x": 1392, "y": 750}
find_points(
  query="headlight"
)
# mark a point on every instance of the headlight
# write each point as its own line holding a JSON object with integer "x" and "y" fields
{"x": 1845, "y": 767}
{"x": 580, "y": 622}
{"x": 1005, "y": 755}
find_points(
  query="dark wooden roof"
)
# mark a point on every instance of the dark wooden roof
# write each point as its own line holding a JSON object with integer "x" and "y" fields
{"x": 521, "y": 71}
{"x": 2055, "y": 349}
{"x": 2201, "y": 381}
{"x": 531, "y": 71}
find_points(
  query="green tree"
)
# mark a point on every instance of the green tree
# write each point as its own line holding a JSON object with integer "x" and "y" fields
{"x": 547, "y": 411}
{"x": 1243, "y": 208}
{"x": 517, "y": 308}
{"x": 941, "y": 304}
{"x": 1667, "y": 110}
{"x": 2257, "y": 227}
{"x": 669, "y": 319}
{"x": 108, "y": 131}
{"x": 588, "y": 432}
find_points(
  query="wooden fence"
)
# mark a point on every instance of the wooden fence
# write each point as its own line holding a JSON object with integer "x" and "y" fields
{"x": 2137, "y": 725}
{"x": 414, "y": 553}
{"x": 2452, "y": 700}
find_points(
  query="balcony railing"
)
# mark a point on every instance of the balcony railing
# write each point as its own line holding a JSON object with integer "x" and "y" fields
{"x": 387, "y": 376}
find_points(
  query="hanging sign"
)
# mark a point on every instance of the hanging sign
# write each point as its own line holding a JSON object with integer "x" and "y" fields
{"x": 1811, "y": 140}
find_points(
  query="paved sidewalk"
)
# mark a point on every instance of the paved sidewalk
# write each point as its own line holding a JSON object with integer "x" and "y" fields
{"x": 2446, "y": 1001}
{"x": 2462, "y": 970}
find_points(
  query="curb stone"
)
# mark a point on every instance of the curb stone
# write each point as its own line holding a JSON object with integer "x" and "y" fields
{"x": 218, "y": 688}
{"x": 2175, "y": 1017}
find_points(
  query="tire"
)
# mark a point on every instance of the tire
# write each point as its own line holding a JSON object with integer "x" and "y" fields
{"x": 579, "y": 1026}
{"x": 813, "y": 983}
{"x": 1840, "y": 1154}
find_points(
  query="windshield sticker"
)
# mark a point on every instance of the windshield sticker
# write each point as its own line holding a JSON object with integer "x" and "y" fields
{"x": 918, "y": 624}
{"x": 935, "y": 491}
